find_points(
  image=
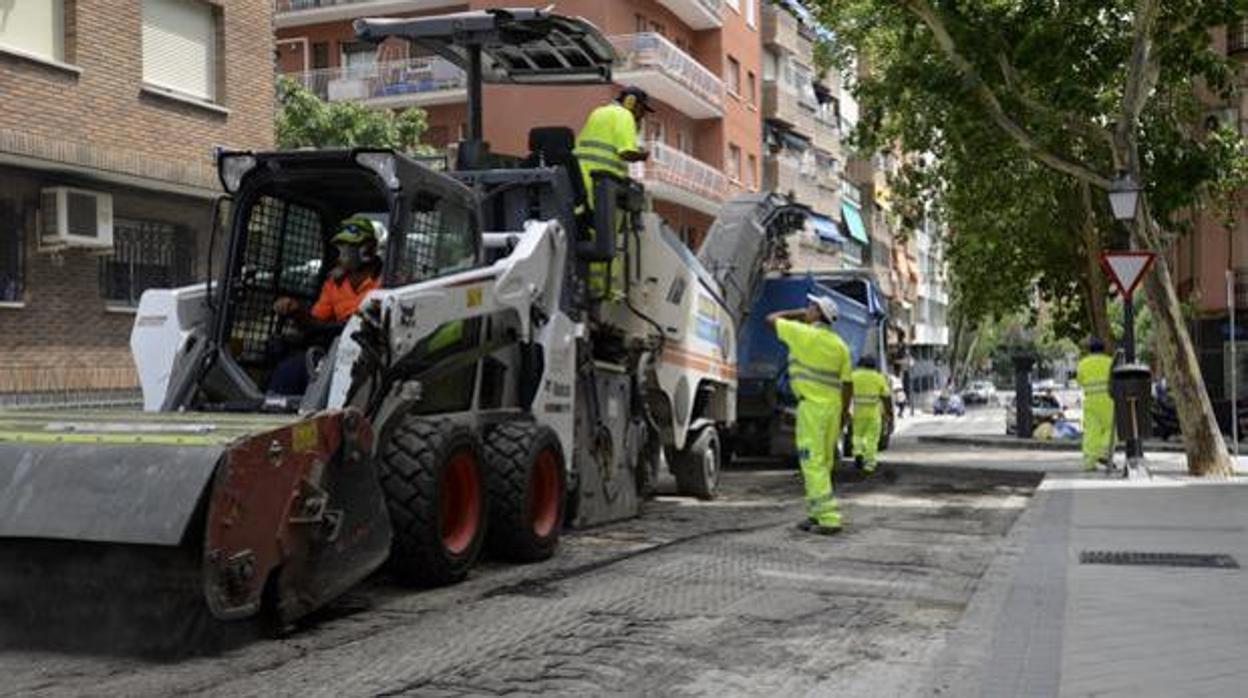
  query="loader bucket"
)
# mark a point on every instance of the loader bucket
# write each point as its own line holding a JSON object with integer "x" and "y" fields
{"x": 271, "y": 505}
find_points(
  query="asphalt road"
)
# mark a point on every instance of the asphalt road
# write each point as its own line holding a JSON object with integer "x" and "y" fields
{"x": 692, "y": 598}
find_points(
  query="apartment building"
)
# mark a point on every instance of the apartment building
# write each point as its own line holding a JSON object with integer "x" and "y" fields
{"x": 1202, "y": 259}
{"x": 112, "y": 110}
{"x": 700, "y": 60}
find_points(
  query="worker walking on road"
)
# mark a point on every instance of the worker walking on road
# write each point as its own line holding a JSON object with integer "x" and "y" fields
{"x": 608, "y": 142}
{"x": 871, "y": 398}
{"x": 1098, "y": 407}
{"x": 819, "y": 372}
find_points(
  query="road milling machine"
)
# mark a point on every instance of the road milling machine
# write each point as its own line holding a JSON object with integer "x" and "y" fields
{"x": 481, "y": 397}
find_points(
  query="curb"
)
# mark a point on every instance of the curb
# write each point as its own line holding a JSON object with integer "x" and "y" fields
{"x": 1010, "y": 442}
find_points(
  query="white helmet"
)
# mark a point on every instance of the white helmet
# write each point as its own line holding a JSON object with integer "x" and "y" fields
{"x": 826, "y": 305}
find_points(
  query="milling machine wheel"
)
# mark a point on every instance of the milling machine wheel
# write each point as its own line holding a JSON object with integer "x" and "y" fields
{"x": 527, "y": 491}
{"x": 431, "y": 474}
{"x": 697, "y": 467}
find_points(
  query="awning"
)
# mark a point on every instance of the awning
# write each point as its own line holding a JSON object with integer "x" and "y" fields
{"x": 827, "y": 229}
{"x": 853, "y": 220}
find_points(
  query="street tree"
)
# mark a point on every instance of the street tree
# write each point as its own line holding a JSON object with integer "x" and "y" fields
{"x": 1088, "y": 90}
{"x": 305, "y": 120}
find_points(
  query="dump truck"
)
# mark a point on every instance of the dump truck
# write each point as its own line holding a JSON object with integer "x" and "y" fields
{"x": 484, "y": 395}
{"x": 765, "y": 419}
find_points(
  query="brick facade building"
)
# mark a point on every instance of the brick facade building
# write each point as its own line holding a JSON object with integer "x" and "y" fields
{"x": 126, "y": 99}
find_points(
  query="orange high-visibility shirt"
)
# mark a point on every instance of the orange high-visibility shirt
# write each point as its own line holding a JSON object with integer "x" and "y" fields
{"x": 339, "y": 299}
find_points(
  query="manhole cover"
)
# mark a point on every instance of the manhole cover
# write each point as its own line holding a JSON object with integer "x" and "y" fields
{"x": 1123, "y": 557}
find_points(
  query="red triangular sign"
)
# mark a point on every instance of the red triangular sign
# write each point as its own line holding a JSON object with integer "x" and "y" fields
{"x": 1127, "y": 268}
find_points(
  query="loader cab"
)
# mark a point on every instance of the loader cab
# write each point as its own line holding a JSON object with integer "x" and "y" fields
{"x": 287, "y": 207}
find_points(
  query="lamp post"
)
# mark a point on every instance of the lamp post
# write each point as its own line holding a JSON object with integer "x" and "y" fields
{"x": 1124, "y": 199}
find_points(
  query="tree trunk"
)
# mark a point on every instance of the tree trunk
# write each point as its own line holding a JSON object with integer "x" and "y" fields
{"x": 1095, "y": 290}
{"x": 1202, "y": 440}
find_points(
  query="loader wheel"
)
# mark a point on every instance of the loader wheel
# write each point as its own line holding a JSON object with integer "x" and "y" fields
{"x": 527, "y": 491}
{"x": 432, "y": 477}
{"x": 697, "y": 467}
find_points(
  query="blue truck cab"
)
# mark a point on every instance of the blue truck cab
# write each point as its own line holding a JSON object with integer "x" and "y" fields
{"x": 765, "y": 405}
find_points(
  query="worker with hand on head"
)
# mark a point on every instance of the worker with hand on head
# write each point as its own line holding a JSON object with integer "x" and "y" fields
{"x": 1092, "y": 375}
{"x": 871, "y": 398}
{"x": 608, "y": 142}
{"x": 820, "y": 375}
{"x": 356, "y": 272}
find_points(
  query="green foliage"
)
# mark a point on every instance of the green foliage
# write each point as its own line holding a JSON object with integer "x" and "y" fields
{"x": 1058, "y": 69}
{"x": 304, "y": 120}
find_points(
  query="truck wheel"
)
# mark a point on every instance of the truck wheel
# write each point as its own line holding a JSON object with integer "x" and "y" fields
{"x": 697, "y": 467}
{"x": 435, "y": 492}
{"x": 527, "y": 491}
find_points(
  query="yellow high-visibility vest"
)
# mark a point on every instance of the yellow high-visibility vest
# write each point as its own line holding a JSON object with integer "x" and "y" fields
{"x": 1093, "y": 374}
{"x": 609, "y": 131}
{"x": 819, "y": 360}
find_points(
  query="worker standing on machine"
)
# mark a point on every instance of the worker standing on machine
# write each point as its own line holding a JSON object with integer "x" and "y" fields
{"x": 819, "y": 372}
{"x": 871, "y": 398}
{"x": 1098, "y": 407}
{"x": 608, "y": 142}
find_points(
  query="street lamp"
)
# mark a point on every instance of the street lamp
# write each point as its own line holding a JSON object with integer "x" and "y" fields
{"x": 1124, "y": 196}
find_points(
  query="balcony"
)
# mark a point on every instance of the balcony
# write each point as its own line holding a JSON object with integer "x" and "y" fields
{"x": 783, "y": 31}
{"x": 827, "y": 132}
{"x": 672, "y": 175}
{"x": 784, "y": 174}
{"x": 784, "y": 105}
{"x": 413, "y": 82}
{"x": 698, "y": 14}
{"x": 659, "y": 67}
{"x": 297, "y": 13}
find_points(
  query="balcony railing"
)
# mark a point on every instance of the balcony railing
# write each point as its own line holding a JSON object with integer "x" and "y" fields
{"x": 784, "y": 104}
{"x": 410, "y": 77}
{"x": 653, "y": 52}
{"x": 296, "y": 5}
{"x": 698, "y": 14}
{"x": 782, "y": 29}
{"x": 785, "y": 174}
{"x": 671, "y": 166}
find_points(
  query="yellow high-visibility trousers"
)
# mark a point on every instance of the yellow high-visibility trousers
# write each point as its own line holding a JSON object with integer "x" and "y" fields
{"x": 867, "y": 427}
{"x": 818, "y": 428}
{"x": 1098, "y": 429}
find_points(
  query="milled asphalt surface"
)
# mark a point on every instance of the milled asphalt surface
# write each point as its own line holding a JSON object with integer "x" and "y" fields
{"x": 692, "y": 598}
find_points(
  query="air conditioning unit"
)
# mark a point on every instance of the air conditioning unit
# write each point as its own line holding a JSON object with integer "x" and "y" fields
{"x": 75, "y": 218}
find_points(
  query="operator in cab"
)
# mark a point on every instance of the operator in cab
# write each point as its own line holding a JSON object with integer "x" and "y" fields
{"x": 608, "y": 142}
{"x": 357, "y": 271}
{"x": 820, "y": 372}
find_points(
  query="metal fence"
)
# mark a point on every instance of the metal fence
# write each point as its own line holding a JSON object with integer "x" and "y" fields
{"x": 408, "y": 76}
{"x": 69, "y": 387}
{"x": 650, "y": 51}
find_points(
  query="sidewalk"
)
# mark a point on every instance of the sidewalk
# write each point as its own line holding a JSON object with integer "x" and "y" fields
{"x": 1013, "y": 442}
{"x": 1047, "y": 621}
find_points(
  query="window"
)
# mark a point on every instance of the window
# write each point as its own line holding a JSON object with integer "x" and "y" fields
{"x": 751, "y": 88}
{"x": 641, "y": 24}
{"x": 734, "y": 163}
{"x": 438, "y": 241}
{"x": 771, "y": 66}
{"x": 320, "y": 55}
{"x": 146, "y": 254}
{"x": 12, "y": 255}
{"x": 751, "y": 172}
{"x": 180, "y": 47}
{"x": 735, "y": 4}
{"x": 750, "y": 18}
{"x": 35, "y": 28}
{"x": 734, "y": 76}
{"x": 358, "y": 57}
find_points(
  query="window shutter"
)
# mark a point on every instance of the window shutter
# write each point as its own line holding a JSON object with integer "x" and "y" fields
{"x": 179, "y": 46}
{"x": 37, "y": 28}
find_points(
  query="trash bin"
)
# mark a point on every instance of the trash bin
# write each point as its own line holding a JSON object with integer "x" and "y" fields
{"x": 1132, "y": 382}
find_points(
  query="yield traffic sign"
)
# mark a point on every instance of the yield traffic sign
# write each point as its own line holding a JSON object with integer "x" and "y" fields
{"x": 1127, "y": 268}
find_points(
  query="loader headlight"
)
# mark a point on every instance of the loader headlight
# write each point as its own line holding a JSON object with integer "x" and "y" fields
{"x": 232, "y": 167}
{"x": 383, "y": 164}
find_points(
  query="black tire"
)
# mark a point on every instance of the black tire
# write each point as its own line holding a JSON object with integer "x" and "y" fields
{"x": 422, "y": 462}
{"x": 697, "y": 468}
{"x": 528, "y": 492}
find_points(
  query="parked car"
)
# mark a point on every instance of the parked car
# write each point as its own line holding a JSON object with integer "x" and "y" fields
{"x": 948, "y": 404}
{"x": 980, "y": 393}
{"x": 1045, "y": 407}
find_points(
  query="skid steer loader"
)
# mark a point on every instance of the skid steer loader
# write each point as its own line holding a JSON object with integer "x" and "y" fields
{"x": 481, "y": 396}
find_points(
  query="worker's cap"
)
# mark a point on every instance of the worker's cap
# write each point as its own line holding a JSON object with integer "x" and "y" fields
{"x": 827, "y": 306}
{"x": 638, "y": 96}
{"x": 356, "y": 230}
